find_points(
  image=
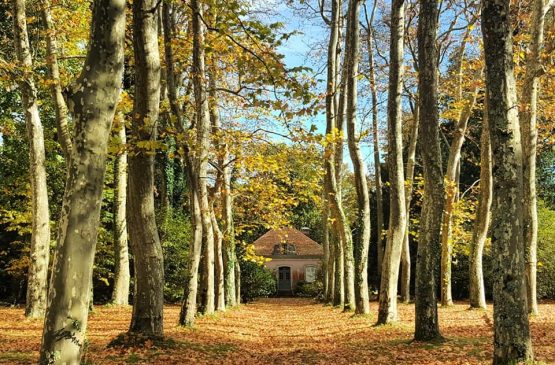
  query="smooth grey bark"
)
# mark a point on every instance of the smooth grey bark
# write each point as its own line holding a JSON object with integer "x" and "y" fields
{"x": 203, "y": 145}
{"x": 429, "y": 249}
{"x": 189, "y": 305}
{"x": 409, "y": 176}
{"x": 219, "y": 264}
{"x": 148, "y": 303}
{"x": 37, "y": 276}
{"x": 387, "y": 311}
{"x": 122, "y": 277}
{"x": 376, "y": 138}
{"x": 451, "y": 173}
{"x": 219, "y": 286}
{"x": 528, "y": 130}
{"x": 512, "y": 342}
{"x": 343, "y": 229}
{"x": 92, "y": 101}
{"x": 362, "y": 241}
{"x": 60, "y": 107}
{"x": 230, "y": 257}
{"x": 481, "y": 224}
{"x": 339, "y": 232}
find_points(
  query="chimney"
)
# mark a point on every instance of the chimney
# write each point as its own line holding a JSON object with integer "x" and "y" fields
{"x": 306, "y": 231}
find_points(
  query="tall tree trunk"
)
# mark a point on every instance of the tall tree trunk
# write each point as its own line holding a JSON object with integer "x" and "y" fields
{"x": 237, "y": 282}
{"x": 219, "y": 267}
{"x": 510, "y": 315}
{"x": 376, "y": 140}
{"x": 362, "y": 241}
{"x": 147, "y": 318}
{"x": 452, "y": 174}
{"x": 219, "y": 290}
{"x": 409, "y": 176}
{"x": 426, "y": 324}
{"x": 339, "y": 229}
{"x": 326, "y": 247}
{"x": 482, "y": 222}
{"x": 230, "y": 257}
{"x": 120, "y": 295}
{"x": 203, "y": 145}
{"x": 60, "y": 107}
{"x": 93, "y": 101}
{"x": 189, "y": 306}
{"x": 37, "y": 277}
{"x": 528, "y": 130}
{"x": 344, "y": 231}
{"x": 387, "y": 311}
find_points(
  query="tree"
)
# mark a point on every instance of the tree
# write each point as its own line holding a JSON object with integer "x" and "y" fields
{"x": 375, "y": 134}
{"x": 93, "y": 102}
{"x": 477, "y": 291}
{"x": 122, "y": 277}
{"x": 147, "y": 318}
{"x": 387, "y": 311}
{"x": 339, "y": 230}
{"x": 362, "y": 225}
{"x": 464, "y": 113}
{"x": 510, "y": 316}
{"x": 426, "y": 322}
{"x": 40, "y": 236}
{"x": 528, "y": 130}
{"x": 60, "y": 106}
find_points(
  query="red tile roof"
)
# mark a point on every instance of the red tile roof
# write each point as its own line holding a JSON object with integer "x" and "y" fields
{"x": 304, "y": 245}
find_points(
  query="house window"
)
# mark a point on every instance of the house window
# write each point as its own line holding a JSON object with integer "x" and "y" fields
{"x": 310, "y": 274}
{"x": 285, "y": 249}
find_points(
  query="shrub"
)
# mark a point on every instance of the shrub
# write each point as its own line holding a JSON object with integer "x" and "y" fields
{"x": 310, "y": 290}
{"x": 256, "y": 281}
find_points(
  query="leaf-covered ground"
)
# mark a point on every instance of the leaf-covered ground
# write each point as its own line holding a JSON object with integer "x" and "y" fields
{"x": 284, "y": 331}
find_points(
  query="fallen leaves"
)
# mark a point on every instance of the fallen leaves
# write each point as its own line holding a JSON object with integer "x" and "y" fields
{"x": 283, "y": 331}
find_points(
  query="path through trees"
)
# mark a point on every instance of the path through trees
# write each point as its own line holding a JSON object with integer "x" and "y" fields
{"x": 279, "y": 330}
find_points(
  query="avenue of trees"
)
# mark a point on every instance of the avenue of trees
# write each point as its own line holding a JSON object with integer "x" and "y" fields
{"x": 144, "y": 145}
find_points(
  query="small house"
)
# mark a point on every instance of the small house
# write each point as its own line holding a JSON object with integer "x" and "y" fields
{"x": 294, "y": 257}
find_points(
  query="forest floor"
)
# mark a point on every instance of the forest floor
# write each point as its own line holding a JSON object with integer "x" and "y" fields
{"x": 284, "y": 331}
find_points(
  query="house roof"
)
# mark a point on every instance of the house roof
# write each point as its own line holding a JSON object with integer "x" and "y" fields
{"x": 304, "y": 245}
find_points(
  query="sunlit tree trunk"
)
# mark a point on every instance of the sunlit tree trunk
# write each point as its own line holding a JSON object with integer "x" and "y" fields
{"x": 429, "y": 249}
{"x": 376, "y": 139}
{"x": 362, "y": 241}
{"x": 510, "y": 315}
{"x": 60, "y": 108}
{"x": 409, "y": 176}
{"x": 338, "y": 227}
{"x": 120, "y": 295}
{"x": 147, "y": 318}
{"x": 219, "y": 264}
{"x": 219, "y": 290}
{"x": 387, "y": 311}
{"x": 203, "y": 145}
{"x": 451, "y": 174}
{"x": 230, "y": 257}
{"x": 528, "y": 129}
{"x": 482, "y": 221}
{"x": 37, "y": 277}
{"x": 93, "y": 100}
{"x": 326, "y": 248}
{"x": 343, "y": 229}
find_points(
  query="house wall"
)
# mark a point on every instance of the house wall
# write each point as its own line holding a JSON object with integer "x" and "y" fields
{"x": 297, "y": 267}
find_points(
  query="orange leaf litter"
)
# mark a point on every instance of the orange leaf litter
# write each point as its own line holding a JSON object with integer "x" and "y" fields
{"x": 284, "y": 331}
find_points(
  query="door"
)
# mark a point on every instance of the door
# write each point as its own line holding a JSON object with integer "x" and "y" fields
{"x": 284, "y": 278}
